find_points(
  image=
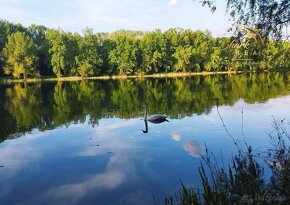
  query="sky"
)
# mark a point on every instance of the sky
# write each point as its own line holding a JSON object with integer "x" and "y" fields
{"x": 112, "y": 15}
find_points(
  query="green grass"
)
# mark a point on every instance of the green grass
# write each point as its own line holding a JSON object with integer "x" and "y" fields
{"x": 7, "y": 80}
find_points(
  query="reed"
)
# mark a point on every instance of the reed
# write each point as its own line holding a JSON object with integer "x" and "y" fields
{"x": 242, "y": 180}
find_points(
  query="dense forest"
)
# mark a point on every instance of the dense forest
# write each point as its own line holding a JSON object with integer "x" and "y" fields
{"x": 26, "y": 106}
{"x": 39, "y": 51}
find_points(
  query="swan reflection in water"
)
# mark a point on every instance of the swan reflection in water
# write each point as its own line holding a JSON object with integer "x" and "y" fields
{"x": 156, "y": 119}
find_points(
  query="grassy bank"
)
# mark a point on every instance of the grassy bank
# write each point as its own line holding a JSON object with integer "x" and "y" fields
{"x": 7, "y": 80}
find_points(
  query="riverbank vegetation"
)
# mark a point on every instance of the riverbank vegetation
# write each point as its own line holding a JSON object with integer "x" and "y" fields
{"x": 243, "y": 180}
{"x": 39, "y": 51}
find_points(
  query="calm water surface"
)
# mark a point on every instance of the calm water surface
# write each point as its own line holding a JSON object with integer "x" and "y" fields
{"x": 82, "y": 142}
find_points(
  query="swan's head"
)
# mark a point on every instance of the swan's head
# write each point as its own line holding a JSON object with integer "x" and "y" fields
{"x": 145, "y": 131}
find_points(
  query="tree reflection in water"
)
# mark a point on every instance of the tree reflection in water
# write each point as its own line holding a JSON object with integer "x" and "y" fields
{"x": 26, "y": 106}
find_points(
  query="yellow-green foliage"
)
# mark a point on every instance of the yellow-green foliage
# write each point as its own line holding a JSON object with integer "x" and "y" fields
{"x": 19, "y": 53}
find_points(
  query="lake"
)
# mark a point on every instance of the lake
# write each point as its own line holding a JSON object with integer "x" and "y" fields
{"x": 82, "y": 142}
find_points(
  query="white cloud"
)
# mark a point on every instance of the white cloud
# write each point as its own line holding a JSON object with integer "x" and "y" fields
{"x": 173, "y": 2}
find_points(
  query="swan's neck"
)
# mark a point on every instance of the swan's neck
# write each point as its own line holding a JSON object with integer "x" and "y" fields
{"x": 146, "y": 127}
{"x": 145, "y": 116}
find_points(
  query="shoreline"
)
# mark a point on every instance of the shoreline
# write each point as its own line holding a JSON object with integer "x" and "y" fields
{"x": 9, "y": 80}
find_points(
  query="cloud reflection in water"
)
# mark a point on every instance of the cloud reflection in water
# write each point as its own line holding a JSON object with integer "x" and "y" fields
{"x": 192, "y": 148}
{"x": 176, "y": 136}
{"x": 119, "y": 167}
{"x": 117, "y": 172}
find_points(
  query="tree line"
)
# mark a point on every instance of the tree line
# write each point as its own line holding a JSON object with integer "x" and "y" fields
{"x": 39, "y": 51}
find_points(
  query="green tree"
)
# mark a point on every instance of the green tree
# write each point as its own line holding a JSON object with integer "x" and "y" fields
{"x": 124, "y": 54}
{"x": 63, "y": 48}
{"x": 153, "y": 47}
{"x": 57, "y": 51}
{"x": 201, "y": 49}
{"x": 284, "y": 59}
{"x": 20, "y": 55}
{"x": 184, "y": 58}
{"x": 172, "y": 40}
{"x": 6, "y": 29}
{"x": 221, "y": 54}
{"x": 105, "y": 45}
{"x": 71, "y": 41}
{"x": 38, "y": 34}
{"x": 89, "y": 59}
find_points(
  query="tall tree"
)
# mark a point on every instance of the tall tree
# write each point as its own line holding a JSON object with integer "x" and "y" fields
{"x": 184, "y": 58}
{"x": 38, "y": 34}
{"x": 89, "y": 59}
{"x": 201, "y": 50}
{"x": 71, "y": 42}
{"x": 125, "y": 52}
{"x": 7, "y": 28}
{"x": 57, "y": 51}
{"x": 105, "y": 46}
{"x": 221, "y": 54}
{"x": 172, "y": 39}
{"x": 63, "y": 49}
{"x": 20, "y": 55}
{"x": 153, "y": 47}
